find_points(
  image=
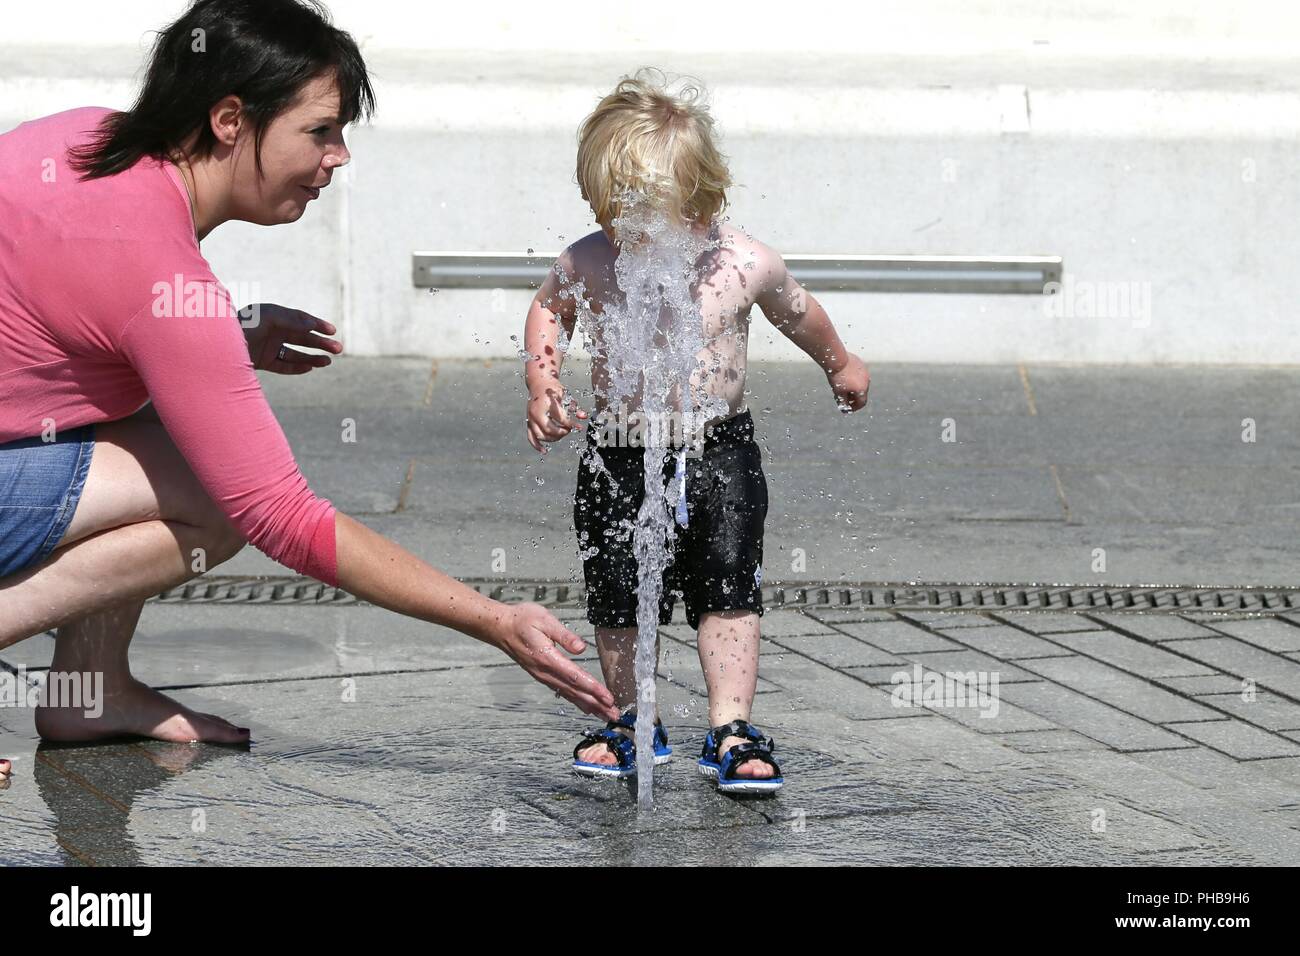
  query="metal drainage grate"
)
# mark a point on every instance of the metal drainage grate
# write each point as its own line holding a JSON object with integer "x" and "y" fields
{"x": 945, "y": 597}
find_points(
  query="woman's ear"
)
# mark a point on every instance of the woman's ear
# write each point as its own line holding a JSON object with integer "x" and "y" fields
{"x": 226, "y": 118}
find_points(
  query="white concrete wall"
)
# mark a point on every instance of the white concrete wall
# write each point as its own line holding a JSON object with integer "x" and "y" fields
{"x": 1181, "y": 27}
{"x": 1151, "y": 145}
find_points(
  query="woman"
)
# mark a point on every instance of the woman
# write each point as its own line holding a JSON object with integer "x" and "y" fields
{"x": 136, "y": 446}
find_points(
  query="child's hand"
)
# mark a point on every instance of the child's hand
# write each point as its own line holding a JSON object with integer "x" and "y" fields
{"x": 850, "y": 385}
{"x": 547, "y": 418}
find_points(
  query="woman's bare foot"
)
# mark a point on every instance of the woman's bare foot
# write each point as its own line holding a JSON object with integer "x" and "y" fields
{"x": 5, "y": 768}
{"x": 134, "y": 709}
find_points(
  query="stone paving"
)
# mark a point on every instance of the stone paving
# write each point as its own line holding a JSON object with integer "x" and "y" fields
{"x": 1109, "y": 737}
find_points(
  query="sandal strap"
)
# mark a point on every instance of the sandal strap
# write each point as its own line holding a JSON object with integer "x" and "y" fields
{"x": 737, "y": 728}
{"x": 744, "y": 753}
{"x": 620, "y": 745}
{"x": 627, "y": 720}
{"x": 623, "y": 745}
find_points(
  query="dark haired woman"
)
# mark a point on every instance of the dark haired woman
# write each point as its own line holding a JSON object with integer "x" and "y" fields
{"x": 134, "y": 436}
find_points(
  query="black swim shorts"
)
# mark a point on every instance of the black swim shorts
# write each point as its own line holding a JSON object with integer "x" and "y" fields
{"x": 718, "y": 554}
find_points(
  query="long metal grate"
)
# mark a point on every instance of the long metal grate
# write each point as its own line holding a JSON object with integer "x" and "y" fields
{"x": 884, "y": 596}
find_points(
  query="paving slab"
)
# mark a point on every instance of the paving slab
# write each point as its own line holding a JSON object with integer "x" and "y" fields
{"x": 1238, "y": 739}
{"x": 1271, "y": 634}
{"x": 1121, "y": 690}
{"x": 1008, "y": 643}
{"x": 1245, "y": 661}
{"x": 1261, "y": 709}
{"x": 1075, "y": 711}
{"x": 1133, "y": 656}
{"x": 897, "y": 637}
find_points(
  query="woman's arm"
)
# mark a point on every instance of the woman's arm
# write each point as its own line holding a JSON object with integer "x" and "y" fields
{"x": 385, "y": 574}
{"x": 199, "y": 376}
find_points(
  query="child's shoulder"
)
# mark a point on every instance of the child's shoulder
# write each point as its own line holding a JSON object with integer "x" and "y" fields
{"x": 747, "y": 252}
{"x": 588, "y": 254}
{"x": 744, "y": 245}
{"x": 585, "y": 264}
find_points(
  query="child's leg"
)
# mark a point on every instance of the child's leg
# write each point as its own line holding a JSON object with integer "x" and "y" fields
{"x": 728, "y": 643}
{"x": 617, "y": 649}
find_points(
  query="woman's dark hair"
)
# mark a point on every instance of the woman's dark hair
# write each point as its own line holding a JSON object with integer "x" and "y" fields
{"x": 263, "y": 51}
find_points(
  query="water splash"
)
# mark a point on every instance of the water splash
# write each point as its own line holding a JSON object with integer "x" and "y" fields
{"x": 650, "y": 344}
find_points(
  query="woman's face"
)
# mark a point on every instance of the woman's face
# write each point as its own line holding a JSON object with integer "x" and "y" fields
{"x": 301, "y": 148}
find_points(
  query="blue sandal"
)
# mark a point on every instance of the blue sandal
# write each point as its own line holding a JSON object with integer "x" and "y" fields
{"x": 623, "y": 747}
{"x": 724, "y": 767}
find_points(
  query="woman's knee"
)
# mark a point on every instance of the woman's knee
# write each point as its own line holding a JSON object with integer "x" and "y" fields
{"x": 227, "y": 541}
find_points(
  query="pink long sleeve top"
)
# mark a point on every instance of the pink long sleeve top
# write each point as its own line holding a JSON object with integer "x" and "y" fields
{"x": 92, "y": 326}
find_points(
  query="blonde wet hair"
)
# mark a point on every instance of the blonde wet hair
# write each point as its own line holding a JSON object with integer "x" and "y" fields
{"x": 656, "y": 140}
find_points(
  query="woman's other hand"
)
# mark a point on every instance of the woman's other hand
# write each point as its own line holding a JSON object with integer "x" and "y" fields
{"x": 271, "y": 328}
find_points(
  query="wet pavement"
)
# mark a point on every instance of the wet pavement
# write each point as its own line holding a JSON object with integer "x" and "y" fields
{"x": 1109, "y": 737}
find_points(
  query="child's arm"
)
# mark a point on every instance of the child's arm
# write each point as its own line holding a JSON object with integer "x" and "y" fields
{"x": 802, "y": 320}
{"x": 552, "y": 308}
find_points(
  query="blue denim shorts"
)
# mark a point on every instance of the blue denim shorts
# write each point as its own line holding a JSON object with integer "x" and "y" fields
{"x": 40, "y": 485}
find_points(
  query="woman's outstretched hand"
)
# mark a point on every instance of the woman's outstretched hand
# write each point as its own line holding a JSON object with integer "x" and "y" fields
{"x": 270, "y": 328}
{"x": 529, "y": 637}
